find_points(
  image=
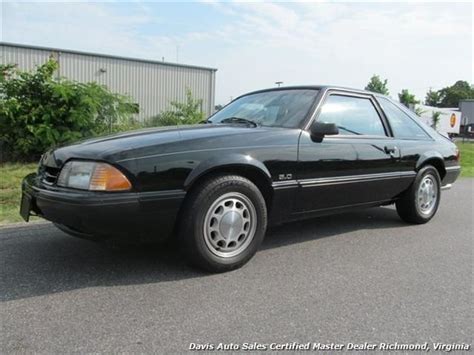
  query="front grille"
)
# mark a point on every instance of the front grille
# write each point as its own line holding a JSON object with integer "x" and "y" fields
{"x": 48, "y": 175}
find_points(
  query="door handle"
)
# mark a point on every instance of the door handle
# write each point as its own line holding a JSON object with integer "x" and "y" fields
{"x": 391, "y": 149}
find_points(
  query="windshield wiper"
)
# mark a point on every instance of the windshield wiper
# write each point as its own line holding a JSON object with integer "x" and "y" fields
{"x": 239, "y": 120}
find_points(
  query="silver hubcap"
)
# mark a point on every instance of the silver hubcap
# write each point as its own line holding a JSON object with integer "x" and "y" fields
{"x": 230, "y": 224}
{"x": 427, "y": 195}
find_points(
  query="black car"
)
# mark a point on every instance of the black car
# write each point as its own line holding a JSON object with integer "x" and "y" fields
{"x": 268, "y": 157}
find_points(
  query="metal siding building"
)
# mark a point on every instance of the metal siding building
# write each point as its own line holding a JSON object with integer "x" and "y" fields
{"x": 467, "y": 109}
{"x": 151, "y": 84}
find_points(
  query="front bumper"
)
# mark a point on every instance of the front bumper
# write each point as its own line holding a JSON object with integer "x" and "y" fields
{"x": 138, "y": 215}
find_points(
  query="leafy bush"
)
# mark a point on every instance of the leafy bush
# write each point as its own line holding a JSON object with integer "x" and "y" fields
{"x": 435, "y": 118}
{"x": 407, "y": 99}
{"x": 377, "y": 85}
{"x": 189, "y": 112}
{"x": 38, "y": 111}
{"x": 419, "y": 111}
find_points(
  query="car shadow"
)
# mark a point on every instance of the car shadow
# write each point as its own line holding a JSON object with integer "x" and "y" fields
{"x": 43, "y": 260}
{"x": 327, "y": 226}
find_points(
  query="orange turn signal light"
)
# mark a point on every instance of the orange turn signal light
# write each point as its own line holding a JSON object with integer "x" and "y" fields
{"x": 107, "y": 178}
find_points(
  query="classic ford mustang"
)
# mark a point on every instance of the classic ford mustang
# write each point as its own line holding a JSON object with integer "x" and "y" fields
{"x": 268, "y": 157}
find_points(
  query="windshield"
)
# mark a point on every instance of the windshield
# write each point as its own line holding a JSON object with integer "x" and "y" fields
{"x": 280, "y": 108}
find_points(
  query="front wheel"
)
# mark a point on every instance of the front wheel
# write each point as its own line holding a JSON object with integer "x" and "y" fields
{"x": 421, "y": 201}
{"x": 223, "y": 223}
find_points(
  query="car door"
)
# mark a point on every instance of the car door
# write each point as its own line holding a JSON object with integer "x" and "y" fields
{"x": 355, "y": 167}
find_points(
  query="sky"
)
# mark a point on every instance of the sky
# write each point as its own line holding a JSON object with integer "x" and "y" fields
{"x": 415, "y": 45}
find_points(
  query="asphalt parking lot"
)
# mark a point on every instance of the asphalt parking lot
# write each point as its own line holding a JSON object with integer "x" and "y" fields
{"x": 359, "y": 277}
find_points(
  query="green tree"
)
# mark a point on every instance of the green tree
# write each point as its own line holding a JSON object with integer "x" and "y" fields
{"x": 181, "y": 113}
{"x": 38, "y": 111}
{"x": 451, "y": 95}
{"x": 407, "y": 99}
{"x": 377, "y": 85}
{"x": 432, "y": 98}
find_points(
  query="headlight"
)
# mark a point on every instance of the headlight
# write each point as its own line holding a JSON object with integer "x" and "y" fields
{"x": 86, "y": 175}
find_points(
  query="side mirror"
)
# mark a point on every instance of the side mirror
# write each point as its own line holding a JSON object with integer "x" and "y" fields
{"x": 321, "y": 129}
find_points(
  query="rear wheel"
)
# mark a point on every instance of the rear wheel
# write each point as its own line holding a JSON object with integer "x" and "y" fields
{"x": 223, "y": 223}
{"x": 421, "y": 201}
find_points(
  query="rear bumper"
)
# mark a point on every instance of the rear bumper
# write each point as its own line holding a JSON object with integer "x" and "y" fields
{"x": 452, "y": 173}
{"x": 137, "y": 215}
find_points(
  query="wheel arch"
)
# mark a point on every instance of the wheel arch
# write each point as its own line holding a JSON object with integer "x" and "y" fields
{"x": 236, "y": 164}
{"x": 432, "y": 158}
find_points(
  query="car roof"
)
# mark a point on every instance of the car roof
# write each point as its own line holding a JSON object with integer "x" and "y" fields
{"x": 315, "y": 87}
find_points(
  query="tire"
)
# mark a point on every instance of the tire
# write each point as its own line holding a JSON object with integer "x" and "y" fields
{"x": 223, "y": 223}
{"x": 420, "y": 202}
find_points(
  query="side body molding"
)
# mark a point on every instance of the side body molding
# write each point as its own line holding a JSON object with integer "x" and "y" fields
{"x": 226, "y": 160}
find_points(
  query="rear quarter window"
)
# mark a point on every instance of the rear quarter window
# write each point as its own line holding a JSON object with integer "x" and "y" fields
{"x": 403, "y": 126}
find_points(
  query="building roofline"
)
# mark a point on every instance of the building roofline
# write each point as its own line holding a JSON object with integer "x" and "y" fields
{"x": 27, "y": 46}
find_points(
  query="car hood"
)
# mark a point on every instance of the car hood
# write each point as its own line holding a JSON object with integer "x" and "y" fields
{"x": 131, "y": 144}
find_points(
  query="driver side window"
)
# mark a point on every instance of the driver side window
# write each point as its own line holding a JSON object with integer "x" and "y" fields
{"x": 353, "y": 115}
